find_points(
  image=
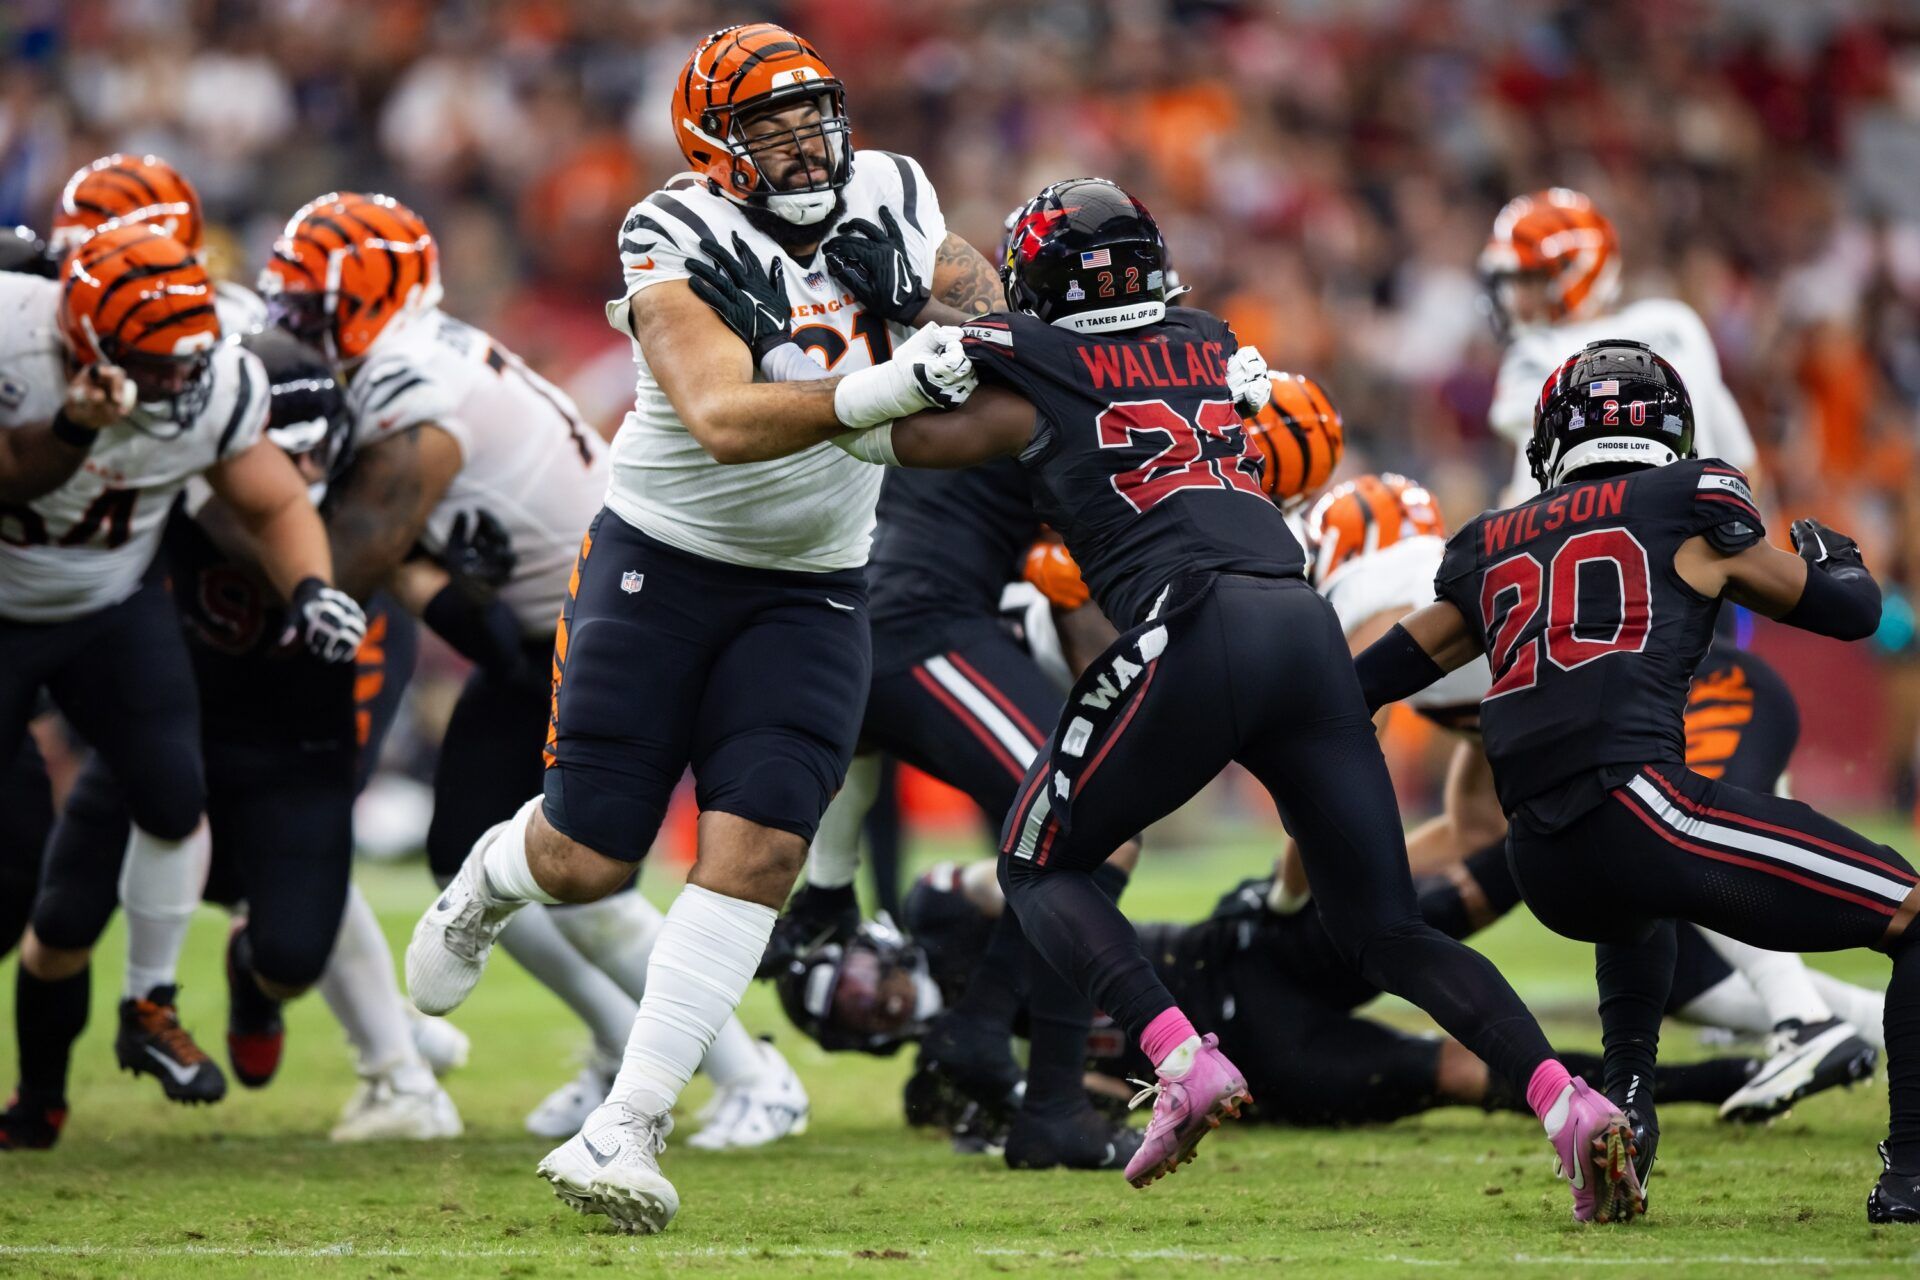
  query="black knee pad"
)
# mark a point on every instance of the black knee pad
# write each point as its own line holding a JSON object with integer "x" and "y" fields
{"x": 291, "y": 957}
{"x": 168, "y": 805}
{"x": 71, "y": 916}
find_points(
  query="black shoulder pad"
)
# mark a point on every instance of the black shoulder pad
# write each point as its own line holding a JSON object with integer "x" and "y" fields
{"x": 1724, "y": 509}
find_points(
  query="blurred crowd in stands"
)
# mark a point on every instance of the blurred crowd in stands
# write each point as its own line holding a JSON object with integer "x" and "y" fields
{"x": 1325, "y": 170}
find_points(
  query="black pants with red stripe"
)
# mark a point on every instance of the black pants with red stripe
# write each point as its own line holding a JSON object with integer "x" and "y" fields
{"x": 1668, "y": 844}
{"x": 1254, "y": 670}
{"x": 968, "y": 712}
{"x": 972, "y": 714}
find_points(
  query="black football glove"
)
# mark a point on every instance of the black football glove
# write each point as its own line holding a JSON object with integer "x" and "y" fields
{"x": 750, "y": 296}
{"x": 328, "y": 620}
{"x": 479, "y": 549}
{"x": 1825, "y": 549}
{"x": 873, "y": 263}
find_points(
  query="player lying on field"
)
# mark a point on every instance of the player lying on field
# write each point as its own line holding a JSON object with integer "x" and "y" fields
{"x": 1275, "y": 989}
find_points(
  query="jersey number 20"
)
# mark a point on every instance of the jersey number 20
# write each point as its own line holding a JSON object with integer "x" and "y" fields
{"x": 1513, "y": 591}
{"x": 1184, "y": 463}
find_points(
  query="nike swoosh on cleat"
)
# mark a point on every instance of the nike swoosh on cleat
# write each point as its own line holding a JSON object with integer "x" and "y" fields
{"x": 173, "y": 1068}
{"x": 601, "y": 1158}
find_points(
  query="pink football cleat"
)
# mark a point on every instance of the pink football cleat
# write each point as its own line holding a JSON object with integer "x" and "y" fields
{"x": 1186, "y": 1109}
{"x": 1594, "y": 1143}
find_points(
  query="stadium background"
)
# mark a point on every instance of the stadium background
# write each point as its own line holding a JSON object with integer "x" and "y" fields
{"x": 1325, "y": 173}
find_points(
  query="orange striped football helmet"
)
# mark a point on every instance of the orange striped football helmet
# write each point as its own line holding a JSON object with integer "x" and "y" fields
{"x": 124, "y": 188}
{"x": 1366, "y": 515}
{"x": 1555, "y": 238}
{"x": 1300, "y": 435}
{"x": 736, "y": 79}
{"x": 345, "y": 267}
{"x": 133, "y": 296}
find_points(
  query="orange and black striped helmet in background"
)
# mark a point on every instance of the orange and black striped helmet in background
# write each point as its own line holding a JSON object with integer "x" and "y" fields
{"x": 123, "y": 188}
{"x": 1556, "y": 237}
{"x": 756, "y": 67}
{"x": 134, "y": 296}
{"x": 1300, "y": 435}
{"x": 1365, "y": 515}
{"x": 346, "y": 267}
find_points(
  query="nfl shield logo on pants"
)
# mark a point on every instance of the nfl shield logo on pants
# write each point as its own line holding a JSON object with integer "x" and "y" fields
{"x": 630, "y": 580}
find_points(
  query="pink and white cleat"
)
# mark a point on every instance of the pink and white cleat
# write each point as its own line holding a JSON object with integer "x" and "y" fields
{"x": 1594, "y": 1145}
{"x": 1186, "y": 1108}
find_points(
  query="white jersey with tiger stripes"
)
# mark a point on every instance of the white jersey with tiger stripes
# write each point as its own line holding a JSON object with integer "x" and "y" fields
{"x": 1673, "y": 329}
{"x": 86, "y": 545}
{"x": 1400, "y": 577}
{"x": 526, "y": 455}
{"x": 811, "y": 511}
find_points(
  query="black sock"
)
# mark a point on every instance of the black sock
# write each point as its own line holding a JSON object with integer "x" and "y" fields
{"x": 48, "y": 1017}
{"x": 1903, "y": 1057}
{"x": 1462, "y": 991}
{"x": 1078, "y": 930}
{"x": 822, "y": 900}
{"x": 1059, "y": 1018}
{"x": 1634, "y": 980}
{"x": 1714, "y": 1080}
{"x": 998, "y": 987}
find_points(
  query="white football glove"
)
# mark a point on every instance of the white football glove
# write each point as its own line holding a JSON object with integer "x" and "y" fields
{"x": 1248, "y": 382}
{"x": 328, "y": 620}
{"x": 930, "y": 370}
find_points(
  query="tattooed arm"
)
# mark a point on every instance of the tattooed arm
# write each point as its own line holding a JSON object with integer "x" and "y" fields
{"x": 964, "y": 285}
{"x": 379, "y": 508}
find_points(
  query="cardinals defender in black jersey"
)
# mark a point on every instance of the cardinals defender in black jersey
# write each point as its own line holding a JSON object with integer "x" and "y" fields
{"x": 1121, "y": 410}
{"x": 1594, "y": 604}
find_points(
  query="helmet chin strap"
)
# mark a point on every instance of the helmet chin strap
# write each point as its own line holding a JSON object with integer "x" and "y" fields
{"x": 1610, "y": 449}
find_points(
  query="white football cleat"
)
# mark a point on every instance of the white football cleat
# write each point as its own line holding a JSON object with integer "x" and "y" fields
{"x": 382, "y": 1111}
{"x": 1801, "y": 1061}
{"x": 451, "y": 942}
{"x": 444, "y": 1046}
{"x": 564, "y": 1112}
{"x": 769, "y": 1107}
{"x": 612, "y": 1166}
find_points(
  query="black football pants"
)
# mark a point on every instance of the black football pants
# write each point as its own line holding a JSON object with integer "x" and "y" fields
{"x": 1668, "y": 844}
{"x": 1254, "y": 670}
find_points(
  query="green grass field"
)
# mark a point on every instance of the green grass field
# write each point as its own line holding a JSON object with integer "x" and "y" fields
{"x": 253, "y": 1187}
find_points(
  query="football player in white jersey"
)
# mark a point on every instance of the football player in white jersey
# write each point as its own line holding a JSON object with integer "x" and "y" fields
{"x": 84, "y": 616}
{"x": 452, "y": 432}
{"x": 717, "y": 613}
{"x": 123, "y": 188}
{"x": 1552, "y": 270}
